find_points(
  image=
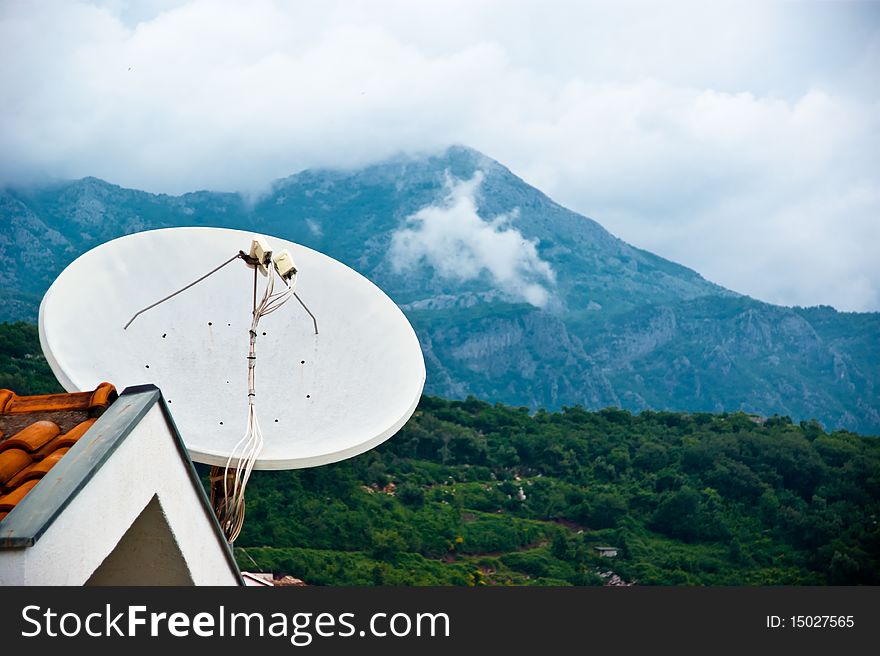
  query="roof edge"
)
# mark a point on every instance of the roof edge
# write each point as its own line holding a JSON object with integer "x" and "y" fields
{"x": 33, "y": 515}
{"x": 194, "y": 477}
{"x": 30, "y": 519}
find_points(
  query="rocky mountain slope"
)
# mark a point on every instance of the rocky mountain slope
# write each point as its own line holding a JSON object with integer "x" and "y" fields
{"x": 514, "y": 298}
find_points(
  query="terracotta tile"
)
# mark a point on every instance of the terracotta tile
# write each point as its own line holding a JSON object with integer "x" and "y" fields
{"x": 49, "y": 447}
{"x": 37, "y": 431}
{"x": 71, "y": 436}
{"x": 31, "y": 438}
{"x": 67, "y": 439}
{"x": 101, "y": 397}
{"x": 43, "y": 402}
{"x": 6, "y": 397}
{"x": 35, "y": 470}
{"x": 9, "y": 501}
{"x": 12, "y": 461}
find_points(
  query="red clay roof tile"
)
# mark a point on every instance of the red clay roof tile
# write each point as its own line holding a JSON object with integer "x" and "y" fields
{"x": 37, "y": 444}
{"x": 13, "y": 461}
{"x": 30, "y": 439}
{"x": 99, "y": 398}
{"x": 36, "y": 469}
{"x": 6, "y": 397}
{"x": 71, "y": 436}
{"x": 68, "y": 439}
{"x": 9, "y": 501}
{"x": 103, "y": 396}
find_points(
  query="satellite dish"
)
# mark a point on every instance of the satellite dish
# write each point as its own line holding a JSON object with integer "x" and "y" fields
{"x": 322, "y": 397}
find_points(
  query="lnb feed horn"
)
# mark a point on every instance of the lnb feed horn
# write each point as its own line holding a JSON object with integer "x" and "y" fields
{"x": 284, "y": 265}
{"x": 261, "y": 252}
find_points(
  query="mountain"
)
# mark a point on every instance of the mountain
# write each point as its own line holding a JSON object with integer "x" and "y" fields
{"x": 515, "y": 298}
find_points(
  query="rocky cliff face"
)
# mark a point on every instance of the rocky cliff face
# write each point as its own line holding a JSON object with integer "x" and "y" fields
{"x": 514, "y": 298}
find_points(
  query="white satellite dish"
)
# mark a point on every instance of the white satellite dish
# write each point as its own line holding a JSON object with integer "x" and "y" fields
{"x": 321, "y": 397}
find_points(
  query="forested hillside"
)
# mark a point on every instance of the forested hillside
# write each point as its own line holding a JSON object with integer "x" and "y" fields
{"x": 470, "y": 493}
{"x": 23, "y": 368}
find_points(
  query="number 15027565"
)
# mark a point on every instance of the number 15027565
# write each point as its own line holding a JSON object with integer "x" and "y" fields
{"x": 811, "y": 622}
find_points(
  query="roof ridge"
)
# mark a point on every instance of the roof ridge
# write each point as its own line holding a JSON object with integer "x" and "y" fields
{"x": 93, "y": 400}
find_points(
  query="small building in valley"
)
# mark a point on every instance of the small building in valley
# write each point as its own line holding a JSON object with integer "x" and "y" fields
{"x": 607, "y": 552}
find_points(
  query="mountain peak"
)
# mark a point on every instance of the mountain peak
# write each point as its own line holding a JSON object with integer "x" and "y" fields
{"x": 514, "y": 297}
{"x": 466, "y": 156}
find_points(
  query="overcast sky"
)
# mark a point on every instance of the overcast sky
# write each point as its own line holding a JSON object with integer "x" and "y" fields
{"x": 740, "y": 139}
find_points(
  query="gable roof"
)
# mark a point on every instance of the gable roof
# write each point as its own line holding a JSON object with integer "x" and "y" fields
{"x": 97, "y": 439}
{"x": 37, "y": 431}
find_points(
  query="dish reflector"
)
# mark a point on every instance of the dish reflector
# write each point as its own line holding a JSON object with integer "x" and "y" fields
{"x": 321, "y": 398}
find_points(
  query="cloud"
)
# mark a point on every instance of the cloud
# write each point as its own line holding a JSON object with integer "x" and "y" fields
{"x": 315, "y": 227}
{"x": 715, "y": 134}
{"x": 460, "y": 245}
{"x": 777, "y": 198}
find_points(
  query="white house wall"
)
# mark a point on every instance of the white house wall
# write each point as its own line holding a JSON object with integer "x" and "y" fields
{"x": 145, "y": 464}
